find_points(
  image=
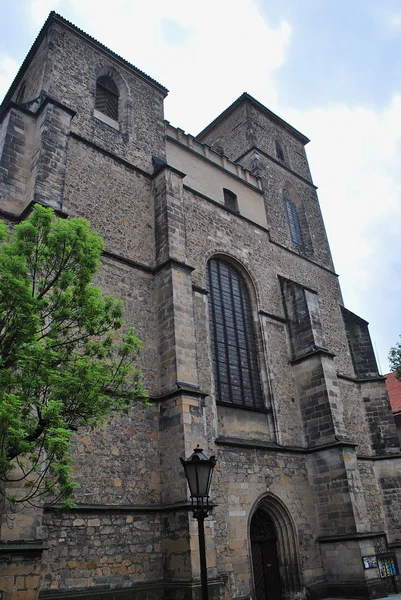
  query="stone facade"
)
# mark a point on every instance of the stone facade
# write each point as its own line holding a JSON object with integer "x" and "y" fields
{"x": 321, "y": 457}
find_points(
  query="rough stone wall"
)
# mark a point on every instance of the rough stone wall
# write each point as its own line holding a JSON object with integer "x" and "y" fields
{"x": 363, "y": 356}
{"x": 228, "y": 137}
{"x": 73, "y": 82}
{"x": 116, "y": 199}
{"x": 33, "y": 78}
{"x": 388, "y": 474}
{"x": 16, "y": 132}
{"x": 379, "y": 418}
{"x": 354, "y": 414}
{"x": 243, "y": 477}
{"x": 266, "y": 134}
{"x": 98, "y": 549}
{"x": 20, "y": 576}
{"x": 246, "y": 127}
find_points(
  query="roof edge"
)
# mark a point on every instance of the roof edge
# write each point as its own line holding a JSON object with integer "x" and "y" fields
{"x": 245, "y": 97}
{"x": 56, "y": 18}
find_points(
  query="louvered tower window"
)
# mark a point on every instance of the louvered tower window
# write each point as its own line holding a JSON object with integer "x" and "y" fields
{"x": 107, "y": 97}
{"x": 234, "y": 353}
{"x": 293, "y": 220}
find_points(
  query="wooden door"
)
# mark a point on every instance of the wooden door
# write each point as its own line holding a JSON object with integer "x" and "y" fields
{"x": 264, "y": 558}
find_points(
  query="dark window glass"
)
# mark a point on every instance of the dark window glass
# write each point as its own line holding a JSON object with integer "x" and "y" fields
{"x": 106, "y": 100}
{"x": 279, "y": 152}
{"x": 234, "y": 353}
{"x": 293, "y": 220}
{"x": 230, "y": 200}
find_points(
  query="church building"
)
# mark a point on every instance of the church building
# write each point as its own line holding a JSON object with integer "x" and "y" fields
{"x": 216, "y": 245}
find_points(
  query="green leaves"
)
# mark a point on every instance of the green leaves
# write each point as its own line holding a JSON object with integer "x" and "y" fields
{"x": 63, "y": 362}
{"x": 395, "y": 359}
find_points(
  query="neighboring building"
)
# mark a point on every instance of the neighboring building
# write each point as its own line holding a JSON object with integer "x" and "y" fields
{"x": 393, "y": 386}
{"x": 216, "y": 245}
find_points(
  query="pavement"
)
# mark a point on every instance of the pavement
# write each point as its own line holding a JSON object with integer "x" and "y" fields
{"x": 392, "y": 597}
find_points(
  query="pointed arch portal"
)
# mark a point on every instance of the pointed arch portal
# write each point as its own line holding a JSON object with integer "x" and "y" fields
{"x": 273, "y": 546}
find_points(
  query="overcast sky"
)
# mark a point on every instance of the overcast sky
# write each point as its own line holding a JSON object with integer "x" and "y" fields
{"x": 332, "y": 68}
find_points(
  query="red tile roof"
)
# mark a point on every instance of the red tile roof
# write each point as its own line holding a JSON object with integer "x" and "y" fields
{"x": 393, "y": 386}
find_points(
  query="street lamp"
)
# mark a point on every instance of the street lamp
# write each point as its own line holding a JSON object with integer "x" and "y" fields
{"x": 198, "y": 472}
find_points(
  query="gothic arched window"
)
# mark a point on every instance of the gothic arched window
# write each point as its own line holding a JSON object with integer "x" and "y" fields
{"x": 233, "y": 339}
{"x": 107, "y": 96}
{"x": 293, "y": 219}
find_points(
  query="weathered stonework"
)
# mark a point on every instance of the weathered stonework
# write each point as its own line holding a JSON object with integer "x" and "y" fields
{"x": 321, "y": 457}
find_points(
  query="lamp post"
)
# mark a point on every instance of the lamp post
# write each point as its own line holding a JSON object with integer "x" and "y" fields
{"x": 198, "y": 472}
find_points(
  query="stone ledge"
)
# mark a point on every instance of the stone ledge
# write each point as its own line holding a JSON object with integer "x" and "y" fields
{"x": 17, "y": 218}
{"x": 22, "y": 547}
{"x": 180, "y": 390}
{"x": 152, "y": 590}
{"x": 263, "y": 313}
{"x": 360, "y": 380}
{"x": 256, "y": 444}
{"x": 327, "y": 539}
{"x": 396, "y": 455}
{"x": 316, "y": 352}
{"x": 123, "y": 508}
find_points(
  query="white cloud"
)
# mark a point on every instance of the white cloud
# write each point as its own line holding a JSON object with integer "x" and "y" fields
{"x": 228, "y": 49}
{"x": 8, "y": 70}
{"x": 355, "y": 155}
{"x": 39, "y": 10}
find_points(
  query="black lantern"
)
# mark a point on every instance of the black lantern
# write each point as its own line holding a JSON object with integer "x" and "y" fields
{"x": 198, "y": 472}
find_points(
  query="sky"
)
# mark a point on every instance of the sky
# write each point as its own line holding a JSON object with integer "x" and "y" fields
{"x": 331, "y": 68}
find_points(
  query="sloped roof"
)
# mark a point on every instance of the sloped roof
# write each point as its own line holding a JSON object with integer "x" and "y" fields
{"x": 56, "y": 18}
{"x": 393, "y": 386}
{"x": 245, "y": 97}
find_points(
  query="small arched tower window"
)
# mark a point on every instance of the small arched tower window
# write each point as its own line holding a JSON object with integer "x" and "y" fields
{"x": 280, "y": 152}
{"x": 293, "y": 220}
{"x": 107, "y": 96}
{"x": 233, "y": 339}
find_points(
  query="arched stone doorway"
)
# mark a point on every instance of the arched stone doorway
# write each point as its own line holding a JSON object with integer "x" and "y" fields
{"x": 264, "y": 557}
{"x": 274, "y": 551}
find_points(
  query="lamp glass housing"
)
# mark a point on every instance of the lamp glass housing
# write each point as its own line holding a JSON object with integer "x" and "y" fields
{"x": 198, "y": 472}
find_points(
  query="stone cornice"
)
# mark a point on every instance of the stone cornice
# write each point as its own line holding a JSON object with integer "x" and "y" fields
{"x": 181, "y": 390}
{"x": 256, "y": 444}
{"x": 316, "y": 352}
{"x": 394, "y": 455}
{"x": 263, "y": 313}
{"x": 22, "y": 547}
{"x": 360, "y": 380}
{"x": 329, "y": 539}
{"x": 123, "y": 508}
{"x": 17, "y": 218}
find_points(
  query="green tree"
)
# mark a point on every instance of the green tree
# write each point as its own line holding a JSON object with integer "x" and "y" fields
{"x": 63, "y": 363}
{"x": 395, "y": 359}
